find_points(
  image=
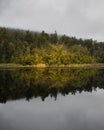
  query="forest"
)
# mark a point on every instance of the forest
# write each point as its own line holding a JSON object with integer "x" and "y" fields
{"x": 33, "y": 48}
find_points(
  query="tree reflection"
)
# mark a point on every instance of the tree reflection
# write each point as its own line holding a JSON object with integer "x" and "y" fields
{"x": 29, "y": 83}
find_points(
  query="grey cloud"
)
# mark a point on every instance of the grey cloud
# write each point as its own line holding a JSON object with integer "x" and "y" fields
{"x": 82, "y": 18}
{"x": 4, "y": 4}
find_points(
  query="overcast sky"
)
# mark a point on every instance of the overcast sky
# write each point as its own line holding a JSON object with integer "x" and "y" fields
{"x": 80, "y": 18}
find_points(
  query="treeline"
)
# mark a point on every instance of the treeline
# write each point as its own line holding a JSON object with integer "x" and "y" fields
{"x": 29, "y": 48}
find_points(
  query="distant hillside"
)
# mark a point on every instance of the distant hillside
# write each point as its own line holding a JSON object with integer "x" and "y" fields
{"x": 29, "y": 48}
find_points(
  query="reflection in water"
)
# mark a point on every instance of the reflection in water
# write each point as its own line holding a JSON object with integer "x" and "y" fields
{"x": 29, "y": 83}
{"x": 81, "y": 109}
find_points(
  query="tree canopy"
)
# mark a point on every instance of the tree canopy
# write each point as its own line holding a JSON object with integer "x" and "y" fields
{"x": 31, "y": 48}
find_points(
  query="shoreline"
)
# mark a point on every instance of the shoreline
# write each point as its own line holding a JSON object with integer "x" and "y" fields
{"x": 11, "y": 65}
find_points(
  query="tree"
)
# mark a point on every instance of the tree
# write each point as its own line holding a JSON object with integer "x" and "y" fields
{"x": 54, "y": 38}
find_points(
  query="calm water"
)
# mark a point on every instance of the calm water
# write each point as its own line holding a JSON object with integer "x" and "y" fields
{"x": 52, "y": 99}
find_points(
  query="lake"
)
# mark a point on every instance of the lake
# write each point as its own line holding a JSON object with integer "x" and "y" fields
{"x": 52, "y": 99}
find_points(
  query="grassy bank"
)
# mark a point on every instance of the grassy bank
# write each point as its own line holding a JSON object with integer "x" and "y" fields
{"x": 51, "y": 66}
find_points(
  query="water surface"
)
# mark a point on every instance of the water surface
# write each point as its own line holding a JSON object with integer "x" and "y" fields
{"x": 52, "y": 99}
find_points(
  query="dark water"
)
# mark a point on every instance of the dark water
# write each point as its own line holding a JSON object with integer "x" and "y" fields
{"x": 52, "y": 99}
